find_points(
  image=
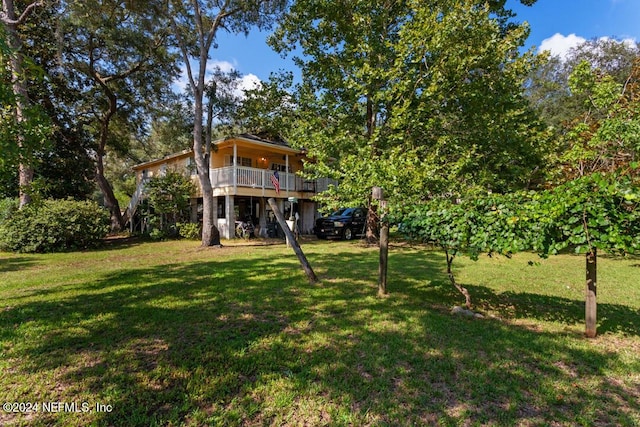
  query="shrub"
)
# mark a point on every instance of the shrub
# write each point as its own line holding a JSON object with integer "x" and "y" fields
{"x": 7, "y": 207}
{"x": 54, "y": 225}
{"x": 189, "y": 230}
{"x": 157, "y": 234}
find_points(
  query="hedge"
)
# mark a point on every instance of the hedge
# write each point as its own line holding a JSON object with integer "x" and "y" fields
{"x": 54, "y": 226}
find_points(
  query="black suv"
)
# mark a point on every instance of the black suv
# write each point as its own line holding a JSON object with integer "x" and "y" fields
{"x": 345, "y": 223}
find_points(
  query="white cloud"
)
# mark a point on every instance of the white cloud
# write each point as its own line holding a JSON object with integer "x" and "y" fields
{"x": 560, "y": 45}
{"x": 182, "y": 83}
{"x": 225, "y": 66}
{"x": 247, "y": 82}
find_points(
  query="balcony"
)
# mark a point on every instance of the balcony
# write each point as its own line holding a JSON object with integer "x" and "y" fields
{"x": 246, "y": 177}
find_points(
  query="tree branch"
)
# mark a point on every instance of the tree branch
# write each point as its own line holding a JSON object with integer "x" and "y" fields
{"x": 25, "y": 14}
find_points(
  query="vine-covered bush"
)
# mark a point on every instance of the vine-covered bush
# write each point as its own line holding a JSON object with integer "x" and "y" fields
{"x": 53, "y": 226}
{"x": 594, "y": 212}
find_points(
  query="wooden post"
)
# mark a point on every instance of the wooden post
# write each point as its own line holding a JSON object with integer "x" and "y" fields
{"x": 378, "y": 194}
{"x": 294, "y": 243}
{"x": 591, "y": 303}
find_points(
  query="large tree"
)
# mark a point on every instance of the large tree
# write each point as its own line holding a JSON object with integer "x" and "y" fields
{"x": 420, "y": 97}
{"x": 116, "y": 56}
{"x": 548, "y": 86}
{"x": 341, "y": 113}
{"x": 12, "y": 19}
{"x": 589, "y": 100}
{"x": 458, "y": 116}
{"x": 196, "y": 24}
{"x": 605, "y": 135}
{"x": 62, "y": 167}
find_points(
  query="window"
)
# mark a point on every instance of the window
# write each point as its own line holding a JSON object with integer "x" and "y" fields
{"x": 221, "y": 208}
{"x": 190, "y": 165}
{"x": 242, "y": 161}
{"x": 280, "y": 167}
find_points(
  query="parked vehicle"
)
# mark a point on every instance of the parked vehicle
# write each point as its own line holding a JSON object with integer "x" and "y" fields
{"x": 345, "y": 223}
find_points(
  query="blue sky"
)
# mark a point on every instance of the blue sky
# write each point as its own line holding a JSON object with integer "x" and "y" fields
{"x": 556, "y": 25}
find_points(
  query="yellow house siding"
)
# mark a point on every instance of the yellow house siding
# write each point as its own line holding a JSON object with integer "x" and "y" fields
{"x": 262, "y": 154}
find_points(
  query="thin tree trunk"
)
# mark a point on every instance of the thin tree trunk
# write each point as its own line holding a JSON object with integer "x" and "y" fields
{"x": 25, "y": 179}
{"x": 460, "y": 288}
{"x": 384, "y": 258}
{"x": 294, "y": 243}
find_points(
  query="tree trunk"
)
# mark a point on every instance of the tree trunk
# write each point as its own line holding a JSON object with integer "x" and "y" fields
{"x": 294, "y": 243}
{"x": 25, "y": 177}
{"x": 210, "y": 233}
{"x": 460, "y": 288}
{"x": 25, "y": 170}
{"x": 110, "y": 201}
{"x": 371, "y": 233}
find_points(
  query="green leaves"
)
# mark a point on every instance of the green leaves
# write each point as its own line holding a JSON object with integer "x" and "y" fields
{"x": 53, "y": 226}
{"x": 421, "y": 97}
{"x": 170, "y": 193}
{"x": 604, "y": 136}
{"x": 597, "y": 211}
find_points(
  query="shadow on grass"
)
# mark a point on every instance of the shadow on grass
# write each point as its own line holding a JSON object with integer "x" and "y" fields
{"x": 249, "y": 342}
{"x": 121, "y": 242}
{"x": 15, "y": 263}
{"x": 522, "y": 305}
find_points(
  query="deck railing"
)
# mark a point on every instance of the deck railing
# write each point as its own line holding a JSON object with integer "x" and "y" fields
{"x": 242, "y": 176}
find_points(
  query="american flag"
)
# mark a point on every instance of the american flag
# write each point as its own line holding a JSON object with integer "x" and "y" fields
{"x": 275, "y": 179}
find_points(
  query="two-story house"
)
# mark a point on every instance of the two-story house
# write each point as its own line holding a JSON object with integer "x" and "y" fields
{"x": 242, "y": 172}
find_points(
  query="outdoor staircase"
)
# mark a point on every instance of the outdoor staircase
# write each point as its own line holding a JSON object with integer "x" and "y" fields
{"x": 130, "y": 210}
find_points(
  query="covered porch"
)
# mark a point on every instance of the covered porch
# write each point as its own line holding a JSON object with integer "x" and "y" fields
{"x": 230, "y": 209}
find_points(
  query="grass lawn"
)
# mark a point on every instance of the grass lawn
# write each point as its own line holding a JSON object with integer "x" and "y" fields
{"x": 169, "y": 334}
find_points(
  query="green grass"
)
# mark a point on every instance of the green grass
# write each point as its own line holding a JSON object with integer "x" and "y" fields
{"x": 169, "y": 334}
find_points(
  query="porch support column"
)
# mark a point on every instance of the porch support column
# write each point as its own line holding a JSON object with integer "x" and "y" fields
{"x": 235, "y": 168}
{"x": 231, "y": 217}
{"x": 214, "y": 206}
{"x": 286, "y": 165}
{"x": 262, "y": 218}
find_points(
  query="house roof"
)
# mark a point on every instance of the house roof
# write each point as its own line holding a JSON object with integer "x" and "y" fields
{"x": 262, "y": 137}
{"x": 258, "y": 141}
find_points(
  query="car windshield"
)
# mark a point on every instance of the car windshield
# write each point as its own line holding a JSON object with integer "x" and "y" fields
{"x": 343, "y": 212}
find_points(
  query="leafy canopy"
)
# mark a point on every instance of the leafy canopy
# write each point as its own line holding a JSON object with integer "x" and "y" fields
{"x": 419, "y": 97}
